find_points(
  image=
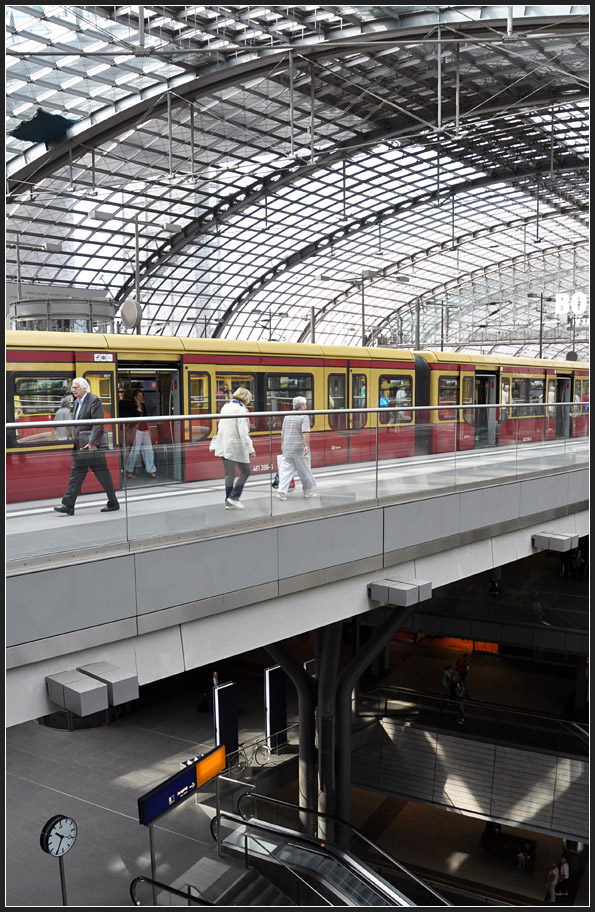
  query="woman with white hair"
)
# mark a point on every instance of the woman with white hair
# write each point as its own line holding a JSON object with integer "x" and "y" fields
{"x": 295, "y": 448}
{"x": 233, "y": 444}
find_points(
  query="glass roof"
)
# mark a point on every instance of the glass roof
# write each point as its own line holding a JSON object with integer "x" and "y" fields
{"x": 406, "y": 175}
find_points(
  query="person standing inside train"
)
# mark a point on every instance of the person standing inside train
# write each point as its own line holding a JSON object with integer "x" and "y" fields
{"x": 88, "y": 450}
{"x": 295, "y": 449}
{"x": 142, "y": 442}
{"x": 233, "y": 445}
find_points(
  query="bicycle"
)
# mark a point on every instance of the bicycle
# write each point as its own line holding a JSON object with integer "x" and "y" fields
{"x": 261, "y": 754}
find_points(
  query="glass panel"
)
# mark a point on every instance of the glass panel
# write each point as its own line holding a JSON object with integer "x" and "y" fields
{"x": 41, "y": 398}
{"x": 585, "y": 398}
{"x": 520, "y": 393}
{"x": 199, "y": 405}
{"x": 448, "y": 394}
{"x": 359, "y": 399}
{"x": 575, "y": 410}
{"x": 551, "y": 397}
{"x": 281, "y": 390}
{"x": 468, "y": 414}
{"x": 227, "y": 383}
{"x": 395, "y": 391}
{"x": 336, "y": 400}
{"x": 536, "y": 395}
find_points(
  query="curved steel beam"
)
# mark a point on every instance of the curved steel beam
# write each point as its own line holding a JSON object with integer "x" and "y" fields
{"x": 103, "y": 125}
{"x": 367, "y": 221}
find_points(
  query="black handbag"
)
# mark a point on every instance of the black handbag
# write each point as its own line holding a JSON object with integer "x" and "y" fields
{"x": 275, "y": 481}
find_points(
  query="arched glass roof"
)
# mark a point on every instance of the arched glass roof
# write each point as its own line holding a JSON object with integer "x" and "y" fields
{"x": 404, "y": 175}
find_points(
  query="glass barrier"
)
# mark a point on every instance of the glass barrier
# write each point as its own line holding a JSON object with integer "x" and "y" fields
{"x": 173, "y": 481}
{"x": 501, "y": 725}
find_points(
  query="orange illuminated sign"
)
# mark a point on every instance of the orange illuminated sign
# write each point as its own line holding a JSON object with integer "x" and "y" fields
{"x": 210, "y": 765}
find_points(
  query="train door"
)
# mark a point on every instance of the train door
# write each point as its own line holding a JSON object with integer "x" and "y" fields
{"x": 485, "y": 422}
{"x": 550, "y": 399}
{"x": 161, "y": 389}
{"x": 563, "y": 394}
{"x": 349, "y": 436}
{"x": 466, "y": 416}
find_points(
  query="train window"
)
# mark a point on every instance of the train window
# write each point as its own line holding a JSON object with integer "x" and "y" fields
{"x": 38, "y": 398}
{"x": 468, "y": 413}
{"x": 585, "y": 398}
{"x": 575, "y": 410}
{"x": 359, "y": 399}
{"x": 200, "y": 404}
{"x": 551, "y": 397}
{"x": 227, "y": 383}
{"x": 395, "y": 391}
{"x": 336, "y": 400}
{"x": 536, "y": 397}
{"x": 448, "y": 394}
{"x": 520, "y": 394}
{"x": 101, "y": 386}
{"x": 280, "y": 392}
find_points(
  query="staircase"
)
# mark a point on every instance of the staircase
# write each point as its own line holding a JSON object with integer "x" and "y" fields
{"x": 252, "y": 889}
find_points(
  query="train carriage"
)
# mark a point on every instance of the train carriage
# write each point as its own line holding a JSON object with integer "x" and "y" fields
{"x": 196, "y": 376}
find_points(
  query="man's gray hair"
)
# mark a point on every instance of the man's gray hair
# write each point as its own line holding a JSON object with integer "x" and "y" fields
{"x": 82, "y": 382}
{"x": 298, "y": 401}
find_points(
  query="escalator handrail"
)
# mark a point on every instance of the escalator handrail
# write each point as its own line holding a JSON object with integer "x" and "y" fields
{"x": 316, "y": 846}
{"x": 349, "y": 826}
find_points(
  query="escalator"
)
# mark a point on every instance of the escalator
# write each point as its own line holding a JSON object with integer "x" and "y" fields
{"x": 315, "y": 859}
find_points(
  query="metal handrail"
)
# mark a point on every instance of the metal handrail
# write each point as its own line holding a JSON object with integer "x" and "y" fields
{"x": 216, "y": 416}
{"x": 349, "y": 826}
{"x": 287, "y": 867}
{"x": 169, "y": 889}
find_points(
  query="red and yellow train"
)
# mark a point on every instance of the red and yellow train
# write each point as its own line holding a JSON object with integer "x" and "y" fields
{"x": 185, "y": 376}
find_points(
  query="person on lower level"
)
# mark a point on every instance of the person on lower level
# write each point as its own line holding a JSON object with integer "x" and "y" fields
{"x": 552, "y": 882}
{"x": 88, "y": 452}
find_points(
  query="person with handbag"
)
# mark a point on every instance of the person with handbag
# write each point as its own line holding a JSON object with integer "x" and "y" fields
{"x": 233, "y": 445}
{"x": 141, "y": 441}
{"x": 295, "y": 451}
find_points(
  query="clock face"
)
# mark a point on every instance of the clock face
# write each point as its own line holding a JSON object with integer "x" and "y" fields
{"x": 58, "y": 835}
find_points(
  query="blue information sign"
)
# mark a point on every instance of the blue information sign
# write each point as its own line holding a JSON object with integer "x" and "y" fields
{"x": 166, "y": 795}
{"x": 180, "y": 786}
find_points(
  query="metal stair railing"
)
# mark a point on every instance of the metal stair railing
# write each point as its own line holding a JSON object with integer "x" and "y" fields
{"x": 167, "y": 888}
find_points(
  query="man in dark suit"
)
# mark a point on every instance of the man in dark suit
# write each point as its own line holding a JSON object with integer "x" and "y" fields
{"x": 87, "y": 453}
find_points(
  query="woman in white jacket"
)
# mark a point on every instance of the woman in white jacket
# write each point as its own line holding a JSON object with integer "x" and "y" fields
{"x": 233, "y": 444}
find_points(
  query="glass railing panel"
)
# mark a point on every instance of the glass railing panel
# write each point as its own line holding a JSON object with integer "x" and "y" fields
{"x": 362, "y": 457}
{"x": 38, "y": 481}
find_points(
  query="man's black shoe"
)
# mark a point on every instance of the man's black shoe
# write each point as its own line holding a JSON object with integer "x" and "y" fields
{"x": 68, "y": 511}
{"x": 109, "y": 507}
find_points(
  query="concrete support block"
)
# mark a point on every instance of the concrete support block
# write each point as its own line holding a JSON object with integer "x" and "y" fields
{"x": 552, "y": 541}
{"x": 400, "y": 592}
{"x": 76, "y": 692}
{"x": 121, "y": 685}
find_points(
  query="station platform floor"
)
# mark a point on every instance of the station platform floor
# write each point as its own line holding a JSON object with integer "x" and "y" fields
{"x": 97, "y": 774}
